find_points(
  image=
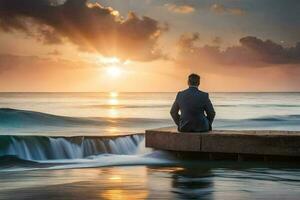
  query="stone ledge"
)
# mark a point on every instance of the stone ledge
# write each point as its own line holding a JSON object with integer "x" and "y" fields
{"x": 279, "y": 143}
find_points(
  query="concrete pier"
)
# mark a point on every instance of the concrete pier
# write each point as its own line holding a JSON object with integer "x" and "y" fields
{"x": 220, "y": 144}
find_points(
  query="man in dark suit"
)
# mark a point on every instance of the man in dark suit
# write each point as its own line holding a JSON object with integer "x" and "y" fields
{"x": 196, "y": 110}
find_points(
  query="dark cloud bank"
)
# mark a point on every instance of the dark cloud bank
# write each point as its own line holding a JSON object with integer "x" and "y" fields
{"x": 89, "y": 26}
{"x": 100, "y": 29}
{"x": 251, "y": 51}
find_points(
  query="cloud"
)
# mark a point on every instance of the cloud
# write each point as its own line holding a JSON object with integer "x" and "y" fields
{"x": 186, "y": 41}
{"x": 55, "y": 52}
{"x": 221, "y": 9}
{"x": 90, "y": 26}
{"x": 181, "y": 9}
{"x": 251, "y": 65}
{"x": 36, "y": 73}
{"x": 217, "y": 40}
{"x": 11, "y": 62}
{"x": 251, "y": 51}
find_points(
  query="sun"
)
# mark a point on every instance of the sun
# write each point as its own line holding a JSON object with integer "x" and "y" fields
{"x": 113, "y": 71}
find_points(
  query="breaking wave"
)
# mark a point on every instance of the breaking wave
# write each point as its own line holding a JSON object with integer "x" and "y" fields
{"x": 22, "y": 118}
{"x": 48, "y": 148}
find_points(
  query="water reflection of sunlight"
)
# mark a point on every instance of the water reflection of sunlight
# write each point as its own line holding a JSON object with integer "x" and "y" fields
{"x": 115, "y": 178}
{"x": 113, "y": 94}
{"x": 119, "y": 180}
{"x": 113, "y": 102}
{"x": 116, "y": 194}
{"x": 169, "y": 169}
{"x": 113, "y": 130}
{"x": 113, "y": 112}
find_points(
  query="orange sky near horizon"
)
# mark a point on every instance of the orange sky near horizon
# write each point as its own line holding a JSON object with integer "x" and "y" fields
{"x": 111, "y": 50}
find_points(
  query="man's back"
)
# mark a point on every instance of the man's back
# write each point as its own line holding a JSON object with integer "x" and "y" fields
{"x": 193, "y": 105}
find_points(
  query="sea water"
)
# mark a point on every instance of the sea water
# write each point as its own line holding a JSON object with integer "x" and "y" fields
{"x": 88, "y": 145}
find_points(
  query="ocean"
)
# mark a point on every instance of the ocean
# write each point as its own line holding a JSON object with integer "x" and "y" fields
{"x": 91, "y": 146}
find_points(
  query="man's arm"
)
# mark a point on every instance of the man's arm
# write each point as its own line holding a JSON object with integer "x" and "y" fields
{"x": 210, "y": 111}
{"x": 174, "y": 111}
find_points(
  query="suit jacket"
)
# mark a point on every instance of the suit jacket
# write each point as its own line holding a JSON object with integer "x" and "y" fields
{"x": 196, "y": 111}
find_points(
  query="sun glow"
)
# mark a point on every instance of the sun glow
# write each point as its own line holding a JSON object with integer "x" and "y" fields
{"x": 113, "y": 71}
{"x": 109, "y": 60}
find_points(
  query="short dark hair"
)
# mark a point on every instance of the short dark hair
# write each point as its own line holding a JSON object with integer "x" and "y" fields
{"x": 194, "y": 80}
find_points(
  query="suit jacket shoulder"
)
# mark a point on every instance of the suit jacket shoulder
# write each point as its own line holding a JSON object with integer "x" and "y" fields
{"x": 181, "y": 92}
{"x": 204, "y": 93}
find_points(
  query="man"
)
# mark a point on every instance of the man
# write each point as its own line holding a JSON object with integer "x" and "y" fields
{"x": 196, "y": 110}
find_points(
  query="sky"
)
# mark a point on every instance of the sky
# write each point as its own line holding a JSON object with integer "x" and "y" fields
{"x": 149, "y": 46}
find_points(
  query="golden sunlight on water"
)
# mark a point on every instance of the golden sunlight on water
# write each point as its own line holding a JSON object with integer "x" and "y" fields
{"x": 113, "y": 101}
{"x": 113, "y": 112}
{"x": 106, "y": 183}
{"x": 115, "y": 177}
{"x": 113, "y": 94}
{"x": 122, "y": 194}
{"x": 152, "y": 182}
{"x": 118, "y": 179}
{"x": 113, "y": 130}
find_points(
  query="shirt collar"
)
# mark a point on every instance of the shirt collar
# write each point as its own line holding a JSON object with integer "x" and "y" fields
{"x": 193, "y": 87}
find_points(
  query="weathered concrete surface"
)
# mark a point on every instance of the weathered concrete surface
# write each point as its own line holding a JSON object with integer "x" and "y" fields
{"x": 170, "y": 141}
{"x": 280, "y": 143}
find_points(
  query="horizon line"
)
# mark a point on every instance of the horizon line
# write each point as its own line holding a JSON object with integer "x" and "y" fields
{"x": 146, "y": 91}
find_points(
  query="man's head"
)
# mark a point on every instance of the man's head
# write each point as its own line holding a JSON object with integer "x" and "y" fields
{"x": 194, "y": 80}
